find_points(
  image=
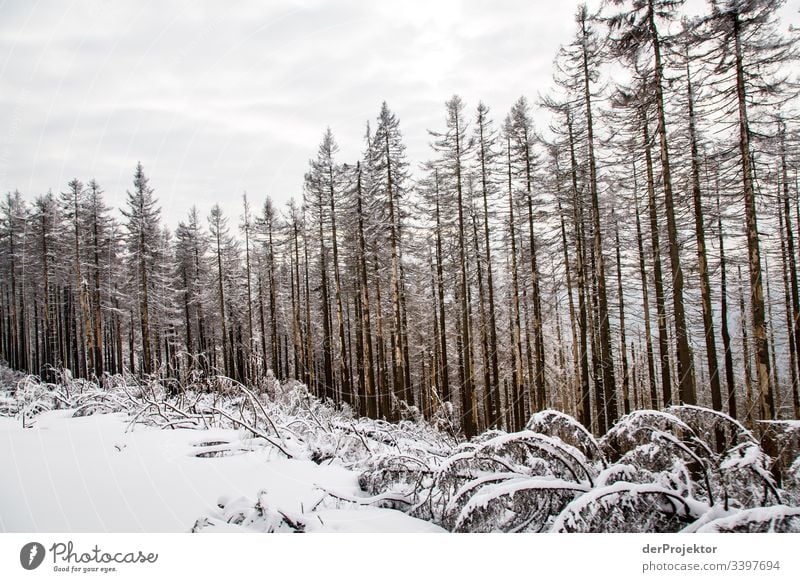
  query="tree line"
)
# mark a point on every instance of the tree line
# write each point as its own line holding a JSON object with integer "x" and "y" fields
{"x": 638, "y": 252}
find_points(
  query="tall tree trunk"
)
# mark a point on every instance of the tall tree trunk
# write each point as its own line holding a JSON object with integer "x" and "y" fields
{"x": 748, "y": 374}
{"x": 790, "y": 317}
{"x": 273, "y": 319}
{"x": 584, "y": 408}
{"x": 384, "y": 400}
{"x": 726, "y": 335}
{"x": 651, "y": 371}
{"x": 793, "y": 311}
{"x": 399, "y": 376}
{"x": 517, "y": 386}
{"x": 493, "y": 395}
{"x": 226, "y": 363}
{"x": 483, "y": 319}
{"x": 538, "y": 397}
{"x": 345, "y": 382}
{"x": 622, "y": 339}
{"x": 313, "y": 378}
{"x": 444, "y": 375}
{"x": 702, "y": 259}
{"x": 327, "y": 340}
{"x": 369, "y": 380}
{"x": 470, "y": 420}
{"x": 661, "y": 311}
{"x": 97, "y": 313}
{"x": 686, "y": 386}
{"x": 247, "y": 271}
{"x": 765, "y": 396}
{"x": 576, "y": 388}
{"x": 607, "y": 416}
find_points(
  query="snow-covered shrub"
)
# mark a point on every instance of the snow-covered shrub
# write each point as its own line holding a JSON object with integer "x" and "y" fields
{"x": 629, "y": 507}
{"x": 684, "y": 469}
{"x": 259, "y": 516}
{"x": 713, "y": 425}
{"x": 9, "y": 379}
{"x": 677, "y": 470}
{"x": 34, "y": 397}
{"x": 746, "y": 476}
{"x": 508, "y": 502}
{"x": 776, "y": 518}
{"x": 557, "y": 424}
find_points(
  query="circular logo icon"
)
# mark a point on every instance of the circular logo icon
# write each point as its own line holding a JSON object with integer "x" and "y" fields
{"x": 31, "y": 555}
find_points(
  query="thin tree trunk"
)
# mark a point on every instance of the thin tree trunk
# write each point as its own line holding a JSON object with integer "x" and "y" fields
{"x": 576, "y": 388}
{"x": 484, "y": 339}
{"x": 748, "y": 374}
{"x": 369, "y": 381}
{"x": 686, "y": 387}
{"x": 608, "y": 415}
{"x": 765, "y": 396}
{"x": 585, "y": 409}
{"x": 794, "y": 310}
{"x": 622, "y": 339}
{"x": 346, "y": 390}
{"x": 663, "y": 341}
{"x": 493, "y": 395}
{"x": 517, "y": 387}
{"x": 726, "y": 335}
{"x": 651, "y": 371}
{"x": 444, "y": 375}
{"x": 702, "y": 259}
{"x": 790, "y": 317}
{"x": 470, "y": 420}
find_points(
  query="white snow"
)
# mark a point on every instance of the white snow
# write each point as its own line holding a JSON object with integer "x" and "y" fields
{"x": 766, "y": 515}
{"x": 88, "y": 474}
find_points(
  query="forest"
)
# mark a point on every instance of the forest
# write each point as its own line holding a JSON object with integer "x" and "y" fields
{"x": 638, "y": 251}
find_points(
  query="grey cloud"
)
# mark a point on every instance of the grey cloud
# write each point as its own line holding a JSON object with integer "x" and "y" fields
{"x": 217, "y": 98}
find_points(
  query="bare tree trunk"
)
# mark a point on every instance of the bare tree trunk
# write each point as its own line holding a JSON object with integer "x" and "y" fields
{"x": 790, "y": 313}
{"x": 313, "y": 378}
{"x": 493, "y": 394}
{"x": 384, "y": 400}
{"x": 444, "y": 375}
{"x": 686, "y": 387}
{"x": 249, "y": 374}
{"x": 97, "y": 313}
{"x": 576, "y": 388}
{"x": 608, "y": 415}
{"x": 622, "y": 339}
{"x": 517, "y": 387}
{"x": 470, "y": 419}
{"x": 483, "y": 319}
{"x": 726, "y": 335}
{"x": 663, "y": 341}
{"x": 262, "y": 326}
{"x": 748, "y": 374}
{"x": 399, "y": 372}
{"x": 766, "y": 400}
{"x": 776, "y": 385}
{"x": 346, "y": 389}
{"x": 369, "y": 380}
{"x": 327, "y": 340}
{"x": 651, "y": 371}
{"x": 227, "y": 364}
{"x": 702, "y": 259}
{"x": 585, "y": 410}
{"x": 539, "y": 383}
{"x": 793, "y": 311}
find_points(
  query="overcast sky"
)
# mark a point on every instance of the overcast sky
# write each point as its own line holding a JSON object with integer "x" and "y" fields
{"x": 217, "y": 98}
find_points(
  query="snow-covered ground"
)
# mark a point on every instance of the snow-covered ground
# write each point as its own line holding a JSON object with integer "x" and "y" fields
{"x": 88, "y": 474}
{"x": 128, "y": 456}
